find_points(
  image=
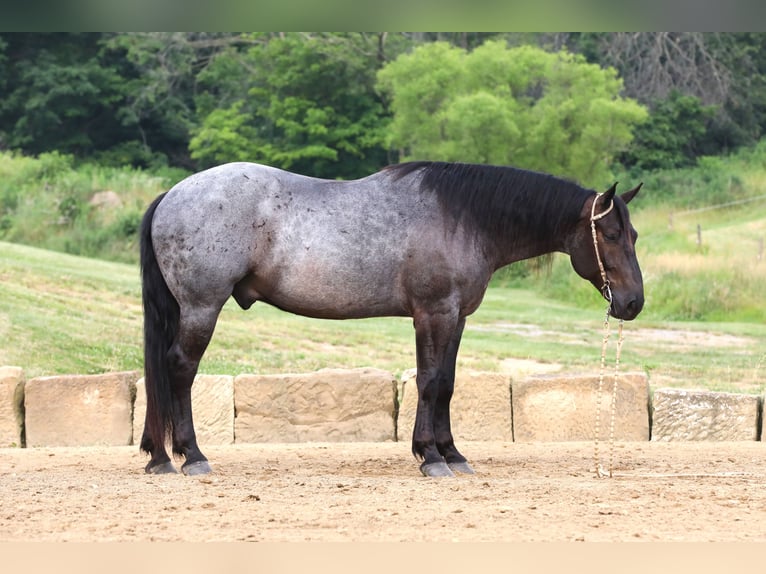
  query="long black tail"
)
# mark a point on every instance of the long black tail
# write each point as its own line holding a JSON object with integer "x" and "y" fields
{"x": 161, "y": 316}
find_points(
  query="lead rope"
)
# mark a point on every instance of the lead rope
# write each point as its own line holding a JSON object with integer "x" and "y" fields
{"x": 600, "y": 472}
{"x": 607, "y": 293}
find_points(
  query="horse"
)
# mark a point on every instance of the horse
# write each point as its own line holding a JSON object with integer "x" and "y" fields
{"x": 416, "y": 239}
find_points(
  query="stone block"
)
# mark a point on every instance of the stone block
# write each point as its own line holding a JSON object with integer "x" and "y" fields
{"x": 683, "y": 415}
{"x": 334, "y": 405}
{"x": 563, "y": 408}
{"x": 11, "y": 406}
{"x": 212, "y": 409}
{"x": 480, "y": 407}
{"x": 80, "y": 410}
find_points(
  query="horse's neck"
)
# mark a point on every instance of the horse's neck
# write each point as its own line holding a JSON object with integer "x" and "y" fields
{"x": 533, "y": 233}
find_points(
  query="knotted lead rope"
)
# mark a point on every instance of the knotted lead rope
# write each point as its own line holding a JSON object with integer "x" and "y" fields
{"x": 607, "y": 293}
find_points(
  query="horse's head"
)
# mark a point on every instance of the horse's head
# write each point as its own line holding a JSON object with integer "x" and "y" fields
{"x": 603, "y": 252}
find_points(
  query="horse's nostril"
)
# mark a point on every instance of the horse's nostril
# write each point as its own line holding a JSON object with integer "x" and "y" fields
{"x": 634, "y": 306}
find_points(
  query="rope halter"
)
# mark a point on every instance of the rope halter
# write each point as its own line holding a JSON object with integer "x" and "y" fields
{"x": 606, "y": 291}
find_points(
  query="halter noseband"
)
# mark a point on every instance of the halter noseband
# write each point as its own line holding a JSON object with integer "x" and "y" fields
{"x": 606, "y": 291}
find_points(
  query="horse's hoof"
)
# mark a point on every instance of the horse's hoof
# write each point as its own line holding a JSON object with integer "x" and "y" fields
{"x": 164, "y": 468}
{"x": 436, "y": 470}
{"x": 461, "y": 467}
{"x": 194, "y": 468}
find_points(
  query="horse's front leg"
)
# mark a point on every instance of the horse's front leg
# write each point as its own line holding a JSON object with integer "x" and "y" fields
{"x": 445, "y": 442}
{"x": 437, "y": 339}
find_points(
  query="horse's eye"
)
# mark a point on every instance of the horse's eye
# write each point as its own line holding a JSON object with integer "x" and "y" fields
{"x": 611, "y": 236}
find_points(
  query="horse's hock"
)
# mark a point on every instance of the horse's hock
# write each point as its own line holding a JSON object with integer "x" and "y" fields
{"x": 368, "y": 405}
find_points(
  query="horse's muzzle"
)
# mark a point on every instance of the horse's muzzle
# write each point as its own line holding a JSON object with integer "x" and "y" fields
{"x": 626, "y": 308}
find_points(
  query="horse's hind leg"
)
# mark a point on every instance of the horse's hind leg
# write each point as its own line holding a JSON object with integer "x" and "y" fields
{"x": 160, "y": 462}
{"x": 195, "y": 331}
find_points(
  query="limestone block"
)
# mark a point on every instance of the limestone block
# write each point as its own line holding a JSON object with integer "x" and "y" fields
{"x": 480, "y": 407}
{"x": 11, "y": 406}
{"x": 682, "y": 415}
{"x": 212, "y": 409}
{"x": 335, "y": 405}
{"x": 80, "y": 410}
{"x": 563, "y": 408}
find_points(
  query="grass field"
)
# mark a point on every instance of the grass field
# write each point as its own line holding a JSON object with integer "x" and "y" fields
{"x": 67, "y": 314}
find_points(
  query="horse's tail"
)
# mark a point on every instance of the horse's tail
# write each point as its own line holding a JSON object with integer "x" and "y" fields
{"x": 161, "y": 317}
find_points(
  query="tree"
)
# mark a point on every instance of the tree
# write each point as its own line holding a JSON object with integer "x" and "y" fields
{"x": 56, "y": 94}
{"x": 299, "y": 102}
{"x": 521, "y": 106}
{"x": 159, "y": 73}
{"x": 655, "y": 64}
{"x": 725, "y": 72}
{"x": 672, "y": 136}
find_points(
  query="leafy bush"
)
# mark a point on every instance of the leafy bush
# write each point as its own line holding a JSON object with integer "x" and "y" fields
{"x": 672, "y": 136}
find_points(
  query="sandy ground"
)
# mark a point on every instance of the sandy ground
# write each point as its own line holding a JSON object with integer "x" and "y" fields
{"x": 374, "y": 492}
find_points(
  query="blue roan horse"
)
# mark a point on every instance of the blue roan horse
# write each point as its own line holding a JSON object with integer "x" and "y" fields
{"x": 417, "y": 239}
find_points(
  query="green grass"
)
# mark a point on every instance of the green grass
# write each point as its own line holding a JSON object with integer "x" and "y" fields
{"x": 68, "y": 314}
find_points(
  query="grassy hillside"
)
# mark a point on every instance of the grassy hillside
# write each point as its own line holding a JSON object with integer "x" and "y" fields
{"x": 87, "y": 209}
{"x": 68, "y": 314}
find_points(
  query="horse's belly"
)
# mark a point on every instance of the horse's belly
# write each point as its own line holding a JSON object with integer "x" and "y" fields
{"x": 336, "y": 294}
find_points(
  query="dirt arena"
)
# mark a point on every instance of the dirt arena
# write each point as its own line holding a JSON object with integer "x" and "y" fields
{"x": 374, "y": 492}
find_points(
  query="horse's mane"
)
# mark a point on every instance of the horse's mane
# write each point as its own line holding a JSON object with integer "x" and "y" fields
{"x": 499, "y": 199}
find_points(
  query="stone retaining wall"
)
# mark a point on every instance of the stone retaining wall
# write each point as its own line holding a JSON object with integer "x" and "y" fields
{"x": 334, "y": 405}
{"x": 368, "y": 405}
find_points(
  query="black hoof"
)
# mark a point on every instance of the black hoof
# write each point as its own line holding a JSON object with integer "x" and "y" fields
{"x": 164, "y": 468}
{"x": 436, "y": 470}
{"x": 194, "y": 468}
{"x": 461, "y": 468}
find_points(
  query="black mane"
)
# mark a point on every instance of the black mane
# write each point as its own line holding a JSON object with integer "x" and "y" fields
{"x": 502, "y": 200}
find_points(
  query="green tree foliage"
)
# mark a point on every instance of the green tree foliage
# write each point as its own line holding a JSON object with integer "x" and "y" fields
{"x": 312, "y": 103}
{"x": 673, "y": 135}
{"x": 520, "y": 106}
{"x": 56, "y": 94}
{"x": 724, "y": 71}
{"x": 115, "y": 98}
{"x": 158, "y": 79}
{"x": 297, "y": 102}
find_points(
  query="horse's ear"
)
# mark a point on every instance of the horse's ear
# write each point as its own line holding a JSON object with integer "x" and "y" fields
{"x": 628, "y": 195}
{"x": 608, "y": 195}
